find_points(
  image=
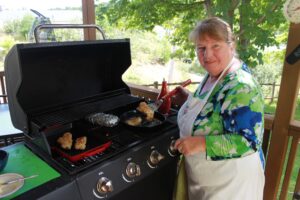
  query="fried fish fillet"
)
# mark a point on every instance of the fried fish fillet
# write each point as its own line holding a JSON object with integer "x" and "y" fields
{"x": 65, "y": 141}
{"x": 144, "y": 108}
{"x": 134, "y": 121}
{"x": 80, "y": 143}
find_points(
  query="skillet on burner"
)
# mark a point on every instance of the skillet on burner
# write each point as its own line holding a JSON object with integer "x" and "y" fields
{"x": 144, "y": 125}
{"x": 96, "y": 142}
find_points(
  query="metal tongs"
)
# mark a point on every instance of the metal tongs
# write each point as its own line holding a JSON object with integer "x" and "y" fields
{"x": 155, "y": 106}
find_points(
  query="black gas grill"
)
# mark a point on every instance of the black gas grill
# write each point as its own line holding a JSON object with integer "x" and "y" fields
{"x": 53, "y": 87}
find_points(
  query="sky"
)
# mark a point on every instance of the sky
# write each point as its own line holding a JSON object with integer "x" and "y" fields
{"x": 39, "y": 4}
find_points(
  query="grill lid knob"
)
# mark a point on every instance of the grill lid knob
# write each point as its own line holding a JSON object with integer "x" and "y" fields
{"x": 133, "y": 170}
{"x": 155, "y": 158}
{"x": 104, "y": 185}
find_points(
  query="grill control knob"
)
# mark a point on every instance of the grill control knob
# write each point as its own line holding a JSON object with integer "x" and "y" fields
{"x": 104, "y": 185}
{"x": 172, "y": 151}
{"x": 155, "y": 158}
{"x": 133, "y": 170}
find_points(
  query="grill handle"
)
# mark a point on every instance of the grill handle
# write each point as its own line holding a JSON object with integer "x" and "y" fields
{"x": 58, "y": 26}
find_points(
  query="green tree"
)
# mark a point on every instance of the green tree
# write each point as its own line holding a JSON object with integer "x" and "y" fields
{"x": 255, "y": 22}
{"x": 19, "y": 28}
{"x": 146, "y": 46}
{"x": 5, "y": 44}
{"x": 271, "y": 70}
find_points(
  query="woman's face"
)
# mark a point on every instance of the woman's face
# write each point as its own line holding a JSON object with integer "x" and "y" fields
{"x": 214, "y": 55}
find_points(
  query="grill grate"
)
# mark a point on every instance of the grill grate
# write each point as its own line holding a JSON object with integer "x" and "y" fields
{"x": 77, "y": 112}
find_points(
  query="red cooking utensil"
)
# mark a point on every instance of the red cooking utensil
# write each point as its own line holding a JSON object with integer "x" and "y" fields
{"x": 155, "y": 106}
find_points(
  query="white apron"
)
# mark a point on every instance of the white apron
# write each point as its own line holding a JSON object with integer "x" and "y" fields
{"x": 232, "y": 179}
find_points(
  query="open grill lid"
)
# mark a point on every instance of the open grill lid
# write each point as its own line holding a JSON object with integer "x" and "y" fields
{"x": 45, "y": 77}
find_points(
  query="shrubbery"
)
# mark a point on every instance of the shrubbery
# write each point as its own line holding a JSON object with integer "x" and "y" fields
{"x": 19, "y": 28}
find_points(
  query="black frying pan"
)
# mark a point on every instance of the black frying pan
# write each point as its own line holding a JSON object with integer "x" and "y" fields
{"x": 157, "y": 122}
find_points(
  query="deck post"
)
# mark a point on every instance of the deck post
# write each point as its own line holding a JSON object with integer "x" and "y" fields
{"x": 285, "y": 110}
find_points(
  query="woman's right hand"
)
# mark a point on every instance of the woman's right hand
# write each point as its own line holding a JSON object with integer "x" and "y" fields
{"x": 190, "y": 145}
{"x": 181, "y": 96}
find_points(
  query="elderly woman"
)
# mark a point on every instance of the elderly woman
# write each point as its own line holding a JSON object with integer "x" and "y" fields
{"x": 221, "y": 124}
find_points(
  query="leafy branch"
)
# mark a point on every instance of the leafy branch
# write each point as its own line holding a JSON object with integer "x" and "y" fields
{"x": 264, "y": 17}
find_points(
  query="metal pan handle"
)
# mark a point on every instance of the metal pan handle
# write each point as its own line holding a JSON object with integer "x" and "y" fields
{"x": 58, "y": 26}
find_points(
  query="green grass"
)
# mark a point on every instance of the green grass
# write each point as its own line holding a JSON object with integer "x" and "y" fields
{"x": 270, "y": 108}
{"x": 294, "y": 174}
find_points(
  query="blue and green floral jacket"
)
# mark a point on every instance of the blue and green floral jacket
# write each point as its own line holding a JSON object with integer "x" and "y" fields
{"x": 233, "y": 117}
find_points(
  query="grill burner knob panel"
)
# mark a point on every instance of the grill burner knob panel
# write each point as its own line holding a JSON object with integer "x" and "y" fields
{"x": 155, "y": 158}
{"x": 125, "y": 187}
{"x": 133, "y": 170}
{"x": 104, "y": 185}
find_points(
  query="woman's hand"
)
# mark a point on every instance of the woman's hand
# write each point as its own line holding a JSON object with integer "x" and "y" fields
{"x": 181, "y": 96}
{"x": 191, "y": 145}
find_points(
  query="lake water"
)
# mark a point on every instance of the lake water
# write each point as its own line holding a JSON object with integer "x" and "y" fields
{"x": 56, "y": 16}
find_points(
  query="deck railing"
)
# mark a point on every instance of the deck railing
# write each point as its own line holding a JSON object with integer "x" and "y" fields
{"x": 155, "y": 85}
{"x": 3, "y": 95}
{"x": 272, "y": 88}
